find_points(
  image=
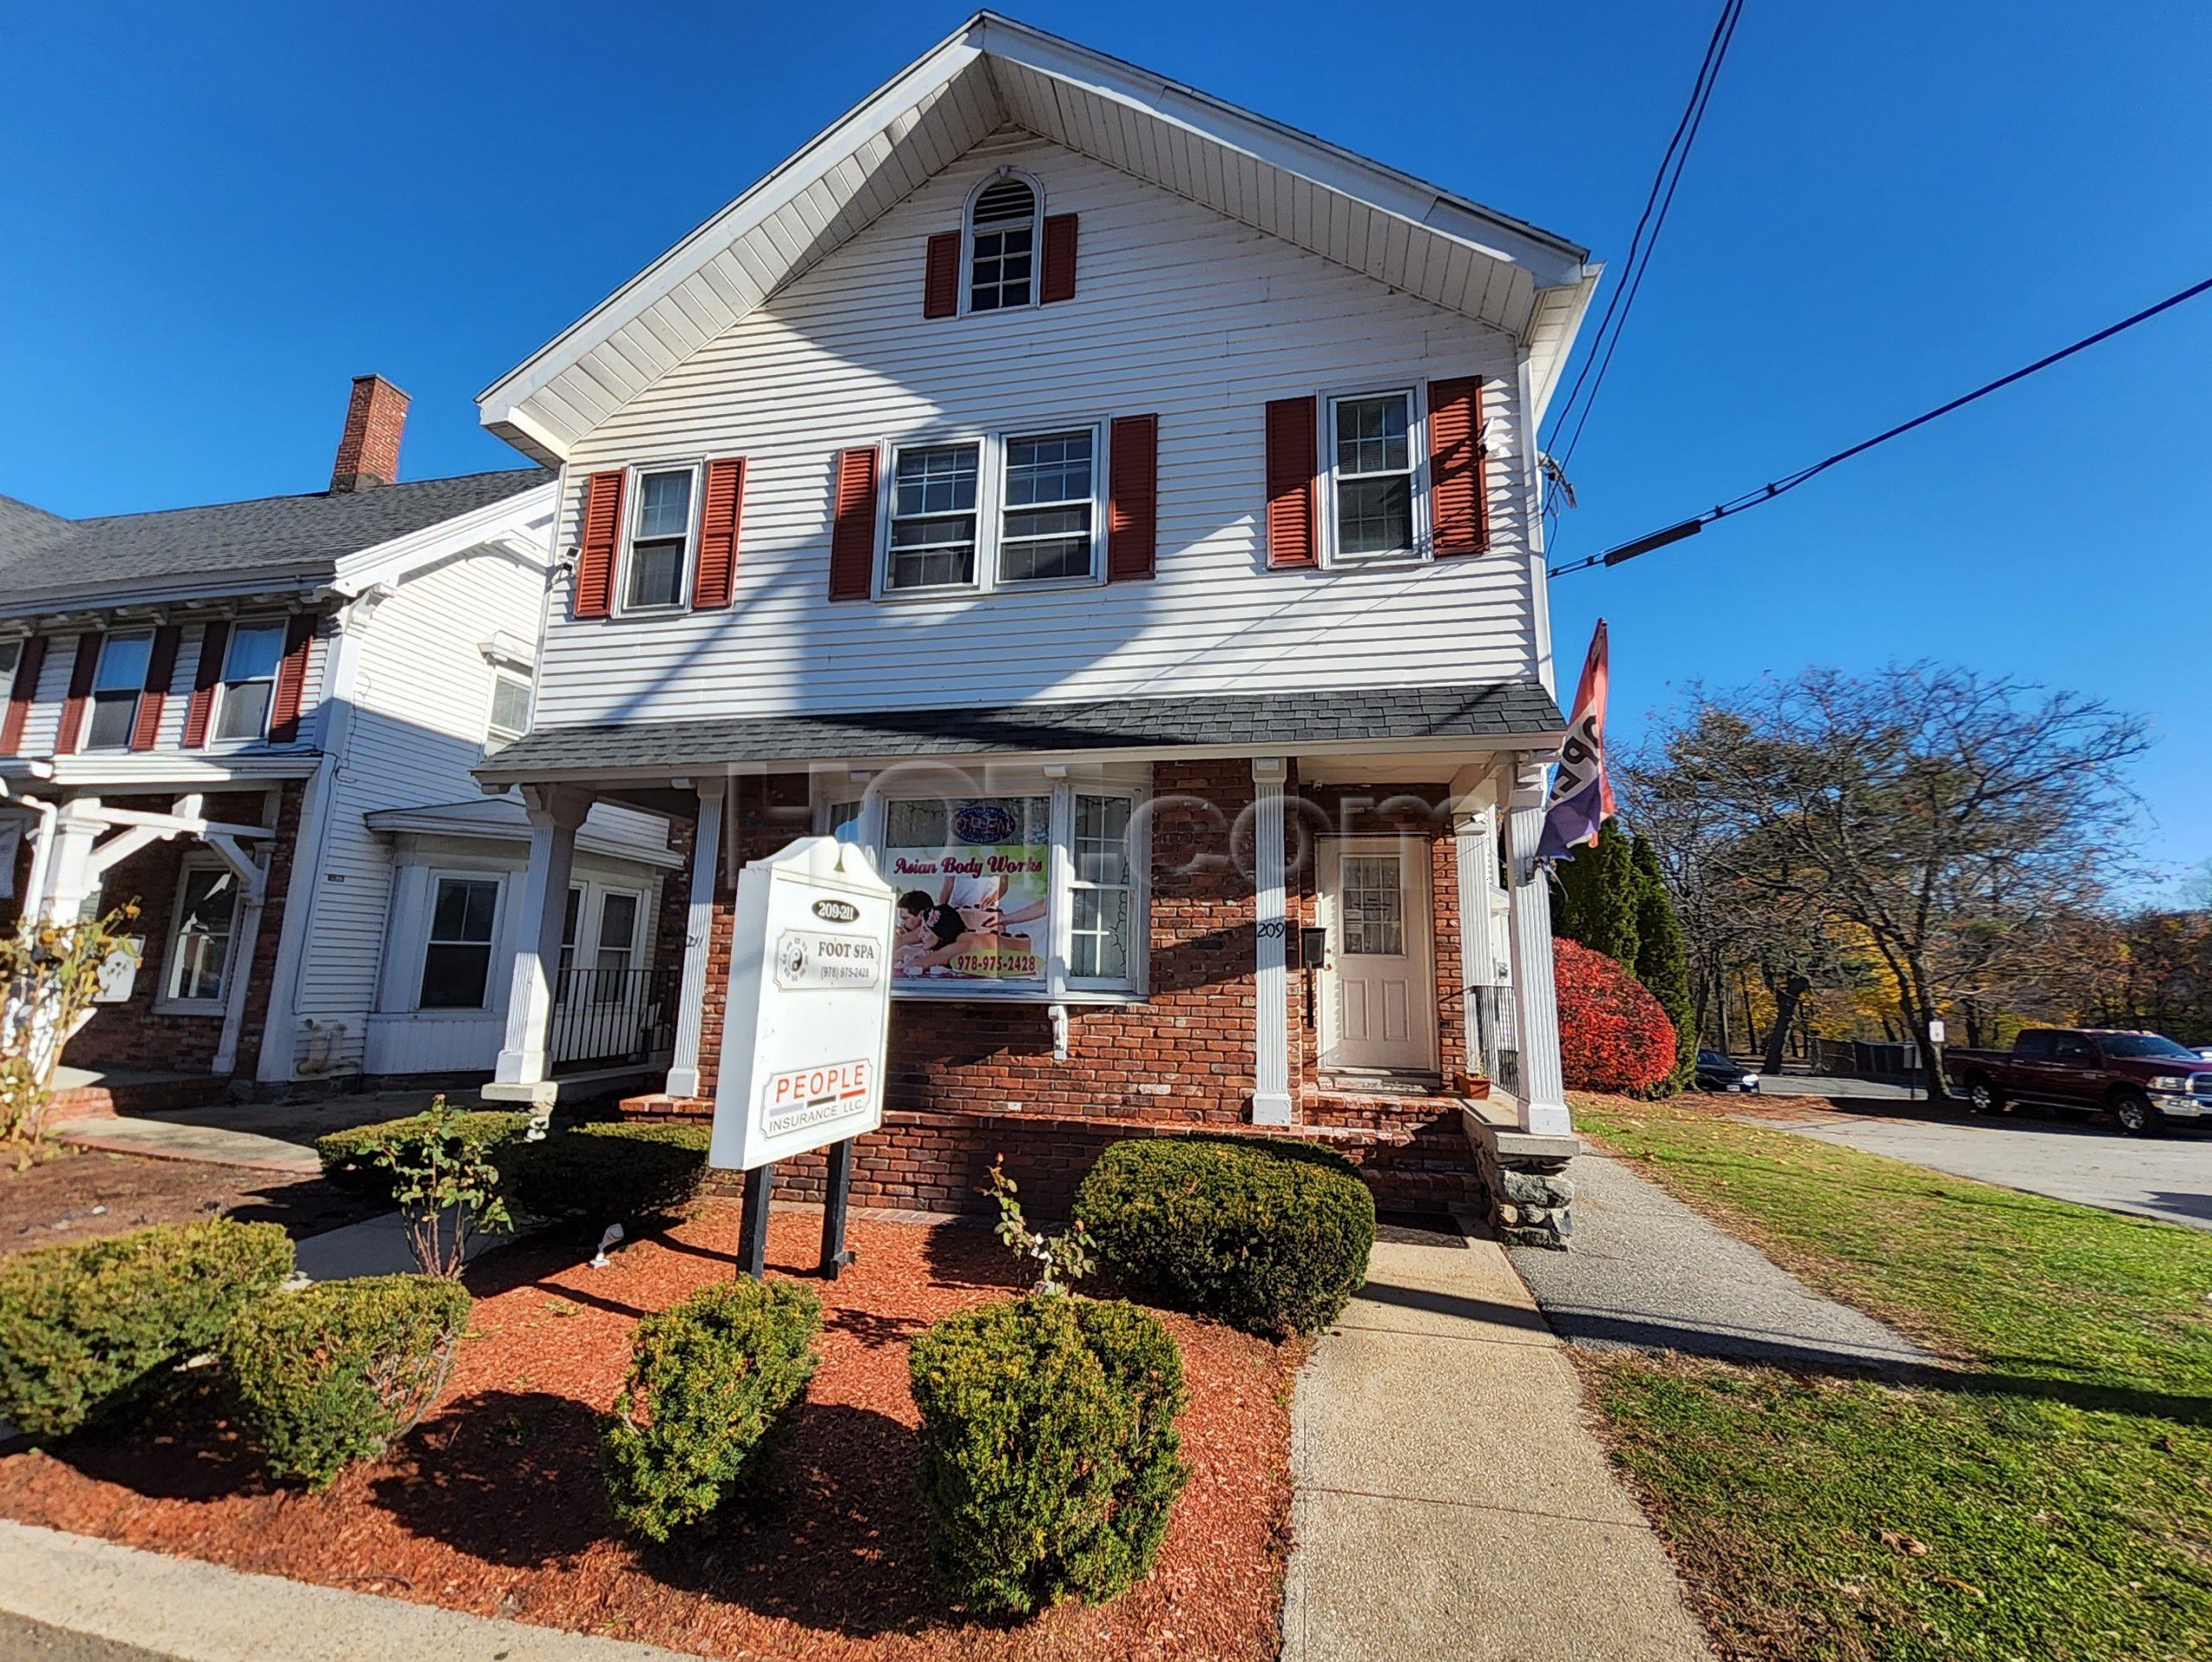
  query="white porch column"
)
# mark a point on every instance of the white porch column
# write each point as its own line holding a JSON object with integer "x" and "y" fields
{"x": 1474, "y": 835}
{"x": 555, "y": 813}
{"x": 698, "y": 936}
{"x": 1529, "y": 918}
{"x": 1271, "y": 977}
{"x": 246, "y": 935}
{"x": 69, "y": 875}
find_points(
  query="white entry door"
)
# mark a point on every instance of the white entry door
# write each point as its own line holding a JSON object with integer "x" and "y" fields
{"x": 1378, "y": 996}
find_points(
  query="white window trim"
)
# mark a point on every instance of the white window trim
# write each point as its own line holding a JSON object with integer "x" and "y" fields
{"x": 11, "y": 657}
{"x": 164, "y": 1002}
{"x": 282, "y": 623}
{"x": 503, "y": 670}
{"x": 990, "y": 478}
{"x": 1036, "y": 243}
{"x": 1424, "y": 549}
{"x": 93, "y": 699}
{"x": 634, "y": 506}
{"x": 424, "y": 939}
{"x": 1056, "y": 987}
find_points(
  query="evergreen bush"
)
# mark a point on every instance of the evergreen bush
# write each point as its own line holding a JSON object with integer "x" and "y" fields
{"x": 712, "y": 1386}
{"x": 1663, "y": 962}
{"x": 83, "y": 1328}
{"x": 1050, "y": 1460}
{"x": 1266, "y": 1234}
{"x": 610, "y": 1170}
{"x": 349, "y": 1157}
{"x": 338, "y": 1372}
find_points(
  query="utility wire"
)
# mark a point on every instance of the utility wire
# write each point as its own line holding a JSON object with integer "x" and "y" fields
{"x": 1660, "y": 197}
{"x": 1768, "y": 492}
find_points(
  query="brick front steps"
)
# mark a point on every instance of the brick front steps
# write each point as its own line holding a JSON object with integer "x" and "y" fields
{"x": 1418, "y": 1160}
{"x": 104, "y": 1097}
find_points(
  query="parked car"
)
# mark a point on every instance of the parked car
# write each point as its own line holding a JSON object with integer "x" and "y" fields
{"x": 1716, "y": 1073}
{"x": 2144, "y": 1080}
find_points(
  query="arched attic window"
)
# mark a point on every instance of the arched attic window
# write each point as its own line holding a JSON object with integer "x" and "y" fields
{"x": 1003, "y": 245}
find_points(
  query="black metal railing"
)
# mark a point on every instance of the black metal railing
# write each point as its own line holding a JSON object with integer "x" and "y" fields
{"x": 1490, "y": 1010}
{"x": 610, "y": 1018}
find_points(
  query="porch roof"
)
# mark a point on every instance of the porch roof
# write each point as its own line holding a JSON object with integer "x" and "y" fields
{"x": 1513, "y": 715}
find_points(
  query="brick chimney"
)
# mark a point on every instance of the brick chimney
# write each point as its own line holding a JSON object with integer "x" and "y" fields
{"x": 368, "y": 453}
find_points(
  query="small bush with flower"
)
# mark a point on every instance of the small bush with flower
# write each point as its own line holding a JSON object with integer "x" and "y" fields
{"x": 50, "y": 973}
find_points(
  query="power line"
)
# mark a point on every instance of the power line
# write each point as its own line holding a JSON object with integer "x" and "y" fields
{"x": 1637, "y": 260}
{"x": 1773, "y": 488}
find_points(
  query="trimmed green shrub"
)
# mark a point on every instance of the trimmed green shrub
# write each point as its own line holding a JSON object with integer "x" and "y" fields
{"x": 338, "y": 1372}
{"x": 1049, "y": 1458}
{"x": 609, "y": 1170}
{"x": 348, "y": 1156}
{"x": 710, "y": 1392}
{"x": 83, "y": 1328}
{"x": 1266, "y": 1234}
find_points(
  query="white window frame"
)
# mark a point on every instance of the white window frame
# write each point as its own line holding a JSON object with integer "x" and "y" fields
{"x": 495, "y": 739}
{"x": 165, "y": 999}
{"x": 1036, "y": 243}
{"x": 1423, "y": 549}
{"x": 1058, "y": 986}
{"x": 427, "y": 938}
{"x": 11, "y": 658}
{"x": 138, "y": 691}
{"x": 224, "y": 684}
{"x": 990, "y": 489}
{"x": 633, "y": 508}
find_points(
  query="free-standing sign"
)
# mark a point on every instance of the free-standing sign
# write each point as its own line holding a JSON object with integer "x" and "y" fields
{"x": 809, "y": 1005}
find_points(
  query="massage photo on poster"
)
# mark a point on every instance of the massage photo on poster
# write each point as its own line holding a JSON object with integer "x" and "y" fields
{"x": 973, "y": 881}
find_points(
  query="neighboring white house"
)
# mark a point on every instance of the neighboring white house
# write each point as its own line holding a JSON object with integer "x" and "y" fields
{"x": 255, "y": 718}
{"x": 1121, "y": 513}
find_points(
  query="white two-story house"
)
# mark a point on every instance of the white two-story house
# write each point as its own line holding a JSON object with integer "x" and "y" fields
{"x": 258, "y": 720}
{"x": 1118, "y": 512}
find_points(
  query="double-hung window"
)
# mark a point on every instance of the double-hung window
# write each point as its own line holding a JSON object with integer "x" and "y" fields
{"x": 1002, "y": 246}
{"x": 457, "y": 957}
{"x": 1371, "y": 477}
{"x": 662, "y": 524}
{"x": 510, "y": 714}
{"x": 117, "y": 683}
{"x": 249, "y": 666}
{"x": 200, "y": 933}
{"x": 1103, "y": 896}
{"x": 996, "y": 512}
{"x": 933, "y": 517}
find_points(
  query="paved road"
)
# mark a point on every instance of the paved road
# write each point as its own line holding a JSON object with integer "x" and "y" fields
{"x": 2168, "y": 1177}
{"x": 1647, "y": 1273}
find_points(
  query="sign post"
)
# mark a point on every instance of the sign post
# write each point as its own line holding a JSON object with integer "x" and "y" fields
{"x": 804, "y": 1029}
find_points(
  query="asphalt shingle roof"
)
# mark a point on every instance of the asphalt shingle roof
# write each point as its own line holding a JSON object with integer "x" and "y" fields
{"x": 1284, "y": 720}
{"x": 297, "y": 537}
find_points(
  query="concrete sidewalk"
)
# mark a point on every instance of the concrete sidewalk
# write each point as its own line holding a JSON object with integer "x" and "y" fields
{"x": 1450, "y": 1503}
{"x": 192, "y": 1612}
{"x": 175, "y": 1139}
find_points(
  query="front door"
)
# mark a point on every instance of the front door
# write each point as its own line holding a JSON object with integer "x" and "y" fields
{"x": 1378, "y": 996}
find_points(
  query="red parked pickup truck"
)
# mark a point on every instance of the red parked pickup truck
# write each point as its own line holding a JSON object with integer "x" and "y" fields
{"x": 2142, "y": 1079}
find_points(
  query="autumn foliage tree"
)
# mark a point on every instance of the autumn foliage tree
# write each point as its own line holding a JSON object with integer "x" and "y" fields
{"x": 1612, "y": 1035}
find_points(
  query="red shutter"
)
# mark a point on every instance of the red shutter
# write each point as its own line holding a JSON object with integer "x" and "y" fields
{"x": 214, "y": 641}
{"x": 80, "y": 690}
{"x": 1133, "y": 496}
{"x": 941, "y": 276}
{"x": 852, "y": 538}
{"x": 594, "y": 594}
{"x": 1458, "y": 510}
{"x": 21, "y": 694}
{"x": 1292, "y": 457}
{"x": 291, "y": 684}
{"x": 160, "y": 670}
{"x": 1057, "y": 279}
{"x": 725, "y": 503}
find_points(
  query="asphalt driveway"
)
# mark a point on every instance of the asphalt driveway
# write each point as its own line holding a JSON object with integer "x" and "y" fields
{"x": 2168, "y": 1177}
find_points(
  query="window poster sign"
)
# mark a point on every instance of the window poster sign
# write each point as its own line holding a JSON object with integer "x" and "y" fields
{"x": 809, "y": 1005}
{"x": 974, "y": 880}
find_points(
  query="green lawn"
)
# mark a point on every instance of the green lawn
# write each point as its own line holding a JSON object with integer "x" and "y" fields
{"x": 2048, "y": 1497}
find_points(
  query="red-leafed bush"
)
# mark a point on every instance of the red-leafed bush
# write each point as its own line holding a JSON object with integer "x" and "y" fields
{"x": 1612, "y": 1035}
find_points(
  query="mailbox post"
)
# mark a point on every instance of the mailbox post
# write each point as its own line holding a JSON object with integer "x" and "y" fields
{"x": 805, "y": 1028}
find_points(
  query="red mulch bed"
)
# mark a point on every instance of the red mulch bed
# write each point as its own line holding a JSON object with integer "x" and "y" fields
{"x": 494, "y": 1504}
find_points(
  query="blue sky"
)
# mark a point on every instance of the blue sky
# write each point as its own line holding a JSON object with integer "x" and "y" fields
{"x": 210, "y": 217}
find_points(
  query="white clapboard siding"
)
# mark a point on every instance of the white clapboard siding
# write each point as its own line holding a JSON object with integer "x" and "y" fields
{"x": 422, "y": 692}
{"x": 1177, "y": 312}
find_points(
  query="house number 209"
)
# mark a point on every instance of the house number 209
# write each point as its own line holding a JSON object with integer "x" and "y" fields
{"x": 1270, "y": 928}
